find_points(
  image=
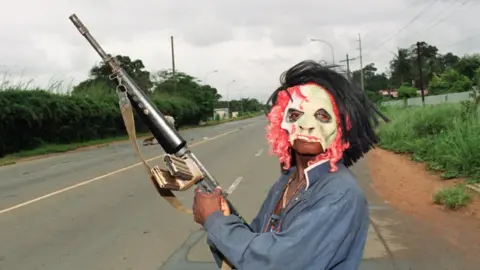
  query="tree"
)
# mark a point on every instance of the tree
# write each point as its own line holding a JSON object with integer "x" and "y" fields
{"x": 174, "y": 93}
{"x": 468, "y": 64}
{"x": 451, "y": 81}
{"x": 449, "y": 60}
{"x": 401, "y": 67}
{"x": 373, "y": 82}
{"x": 405, "y": 91}
{"x": 242, "y": 105}
{"x": 189, "y": 87}
{"x": 99, "y": 80}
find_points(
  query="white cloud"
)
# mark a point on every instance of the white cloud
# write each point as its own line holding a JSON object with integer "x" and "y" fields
{"x": 249, "y": 41}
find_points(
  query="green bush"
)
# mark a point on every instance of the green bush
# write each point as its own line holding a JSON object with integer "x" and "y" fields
{"x": 452, "y": 197}
{"x": 29, "y": 119}
{"x": 440, "y": 135}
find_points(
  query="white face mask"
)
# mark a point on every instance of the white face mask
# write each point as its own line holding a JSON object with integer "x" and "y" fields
{"x": 310, "y": 116}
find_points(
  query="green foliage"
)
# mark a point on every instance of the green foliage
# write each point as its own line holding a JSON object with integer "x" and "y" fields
{"x": 372, "y": 81}
{"x": 373, "y": 96}
{"x": 452, "y": 197}
{"x": 406, "y": 91}
{"x": 29, "y": 119}
{"x": 445, "y": 137}
{"x": 442, "y": 73}
{"x": 182, "y": 84}
{"x": 100, "y": 76}
{"x": 451, "y": 81}
{"x": 468, "y": 65}
{"x": 34, "y": 118}
{"x": 470, "y": 107}
{"x": 243, "y": 105}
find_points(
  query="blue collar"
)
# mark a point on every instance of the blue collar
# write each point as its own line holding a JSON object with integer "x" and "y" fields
{"x": 315, "y": 172}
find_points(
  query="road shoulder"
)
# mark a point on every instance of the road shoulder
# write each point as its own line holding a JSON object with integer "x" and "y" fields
{"x": 428, "y": 236}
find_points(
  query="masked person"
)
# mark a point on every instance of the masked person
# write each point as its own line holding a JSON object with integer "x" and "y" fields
{"x": 315, "y": 216}
{"x": 170, "y": 120}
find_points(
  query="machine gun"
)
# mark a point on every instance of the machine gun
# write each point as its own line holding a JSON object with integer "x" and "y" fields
{"x": 183, "y": 169}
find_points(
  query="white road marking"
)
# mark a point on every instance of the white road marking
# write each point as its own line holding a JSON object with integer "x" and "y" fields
{"x": 234, "y": 185}
{"x": 51, "y": 194}
{"x": 259, "y": 152}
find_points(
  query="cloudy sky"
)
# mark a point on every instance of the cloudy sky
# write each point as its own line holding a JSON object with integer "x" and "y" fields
{"x": 248, "y": 41}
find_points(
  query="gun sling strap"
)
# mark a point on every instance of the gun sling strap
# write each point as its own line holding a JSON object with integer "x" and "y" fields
{"x": 167, "y": 194}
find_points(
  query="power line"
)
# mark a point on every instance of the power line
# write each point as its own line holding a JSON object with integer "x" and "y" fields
{"x": 382, "y": 26}
{"x": 446, "y": 8}
{"x": 462, "y": 41}
{"x": 404, "y": 27}
{"x": 450, "y": 14}
{"x": 435, "y": 23}
{"x": 409, "y": 23}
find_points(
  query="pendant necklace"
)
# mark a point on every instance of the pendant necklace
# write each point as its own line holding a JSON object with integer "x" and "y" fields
{"x": 274, "y": 219}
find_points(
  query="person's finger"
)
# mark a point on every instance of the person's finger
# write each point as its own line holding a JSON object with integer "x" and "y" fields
{"x": 225, "y": 207}
{"x": 217, "y": 191}
{"x": 206, "y": 194}
{"x": 196, "y": 197}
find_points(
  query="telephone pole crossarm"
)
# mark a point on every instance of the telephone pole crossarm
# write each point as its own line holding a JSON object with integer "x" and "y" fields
{"x": 348, "y": 60}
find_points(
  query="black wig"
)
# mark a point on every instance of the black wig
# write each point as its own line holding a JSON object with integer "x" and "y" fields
{"x": 351, "y": 101}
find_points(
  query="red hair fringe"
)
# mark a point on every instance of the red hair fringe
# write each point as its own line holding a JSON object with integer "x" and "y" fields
{"x": 278, "y": 138}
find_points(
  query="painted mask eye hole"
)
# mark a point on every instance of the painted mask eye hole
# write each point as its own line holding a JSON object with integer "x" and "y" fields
{"x": 323, "y": 116}
{"x": 293, "y": 115}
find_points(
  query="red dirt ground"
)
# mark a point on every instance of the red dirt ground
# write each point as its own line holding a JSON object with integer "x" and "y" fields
{"x": 408, "y": 187}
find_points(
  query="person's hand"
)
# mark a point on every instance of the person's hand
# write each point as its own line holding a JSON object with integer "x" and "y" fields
{"x": 205, "y": 204}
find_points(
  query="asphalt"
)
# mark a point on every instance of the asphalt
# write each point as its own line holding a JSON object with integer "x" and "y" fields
{"x": 96, "y": 209}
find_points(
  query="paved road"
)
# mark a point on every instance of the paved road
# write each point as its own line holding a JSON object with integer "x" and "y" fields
{"x": 95, "y": 209}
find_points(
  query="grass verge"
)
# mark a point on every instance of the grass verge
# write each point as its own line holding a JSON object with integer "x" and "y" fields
{"x": 62, "y": 148}
{"x": 452, "y": 197}
{"x": 445, "y": 137}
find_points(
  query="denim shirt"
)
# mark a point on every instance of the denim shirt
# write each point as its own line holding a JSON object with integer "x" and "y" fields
{"x": 324, "y": 228}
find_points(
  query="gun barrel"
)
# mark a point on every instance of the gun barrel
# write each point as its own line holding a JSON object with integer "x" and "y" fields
{"x": 167, "y": 137}
{"x": 84, "y": 31}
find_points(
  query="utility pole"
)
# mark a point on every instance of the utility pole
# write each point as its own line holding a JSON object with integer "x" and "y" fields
{"x": 348, "y": 64}
{"x": 361, "y": 61}
{"x": 173, "y": 65}
{"x": 228, "y": 97}
{"x": 241, "y": 100}
{"x": 419, "y": 57}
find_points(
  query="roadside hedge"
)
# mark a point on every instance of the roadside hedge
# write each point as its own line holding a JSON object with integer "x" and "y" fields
{"x": 446, "y": 137}
{"x": 29, "y": 119}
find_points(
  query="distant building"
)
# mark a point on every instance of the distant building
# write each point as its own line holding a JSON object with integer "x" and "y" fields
{"x": 221, "y": 112}
{"x": 388, "y": 92}
{"x": 393, "y": 93}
